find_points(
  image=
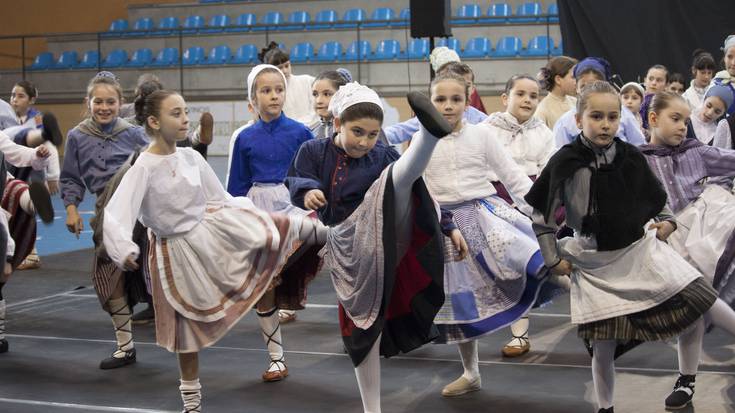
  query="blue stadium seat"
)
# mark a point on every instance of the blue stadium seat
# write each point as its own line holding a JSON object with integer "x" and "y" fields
{"x": 467, "y": 14}
{"x": 115, "y": 58}
{"x": 217, "y": 23}
{"x": 210, "y": 1}
{"x": 243, "y": 23}
{"x": 117, "y": 27}
{"x": 193, "y": 56}
{"x": 451, "y": 43}
{"x": 404, "y": 18}
{"x": 219, "y": 55}
{"x": 508, "y": 46}
{"x": 497, "y": 13}
{"x": 539, "y": 46}
{"x": 167, "y": 26}
{"x": 352, "y": 18}
{"x": 387, "y": 49}
{"x": 329, "y": 52}
{"x": 141, "y": 26}
{"x": 140, "y": 58}
{"x": 477, "y": 47}
{"x": 192, "y": 24}
{"x": 270, "y": 18}
{"x": 527, "y": 13}
{"x": 245, "y": 54}
{"x": 67, "y": 60}
{"x": 418, "y": 49}
{"x": 90, "y": 60}
{"x": 297, "y": 20}
{"x": 377, "y": 19}
{"x": 553, "y": 12}
{"x": 168, "y": 56}
{"x": 358, "y": 51}
{"x": 302, "y": 52}
{"x": 324, "y": 19}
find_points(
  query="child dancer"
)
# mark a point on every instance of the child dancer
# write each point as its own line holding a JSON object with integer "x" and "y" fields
{"x": 587, "y": 71}
{"x": 657, "y": 77}
{"x": 531, "y": 144}
{"x": 703, "y": 68}
{"x": 557, "y": 78}
{"x": 382, "y": 214}
{"x": 260, "y": 160}
{"x": 325, "y": 86}
{"x": 727, "y": 76}
{"x": 631, "y": 96}
{"x": 704, "y": 120}
{"x": 299, "y": 104}
{"x": 626, "y": 283}
{"x": 676, "y": 84}
{"x": 499, "y": 283}
{"x": 212, "y": 256}
{"x": 19, "y": 156}
{"x": 95, "y": 150}
{"x": 442, "y": 55}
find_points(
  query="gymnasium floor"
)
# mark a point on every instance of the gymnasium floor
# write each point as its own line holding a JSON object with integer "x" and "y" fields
{"x": 58, "y": 334}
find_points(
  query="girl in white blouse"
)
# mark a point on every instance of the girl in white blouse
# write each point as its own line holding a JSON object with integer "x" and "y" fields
{"x": 212, "y": 256}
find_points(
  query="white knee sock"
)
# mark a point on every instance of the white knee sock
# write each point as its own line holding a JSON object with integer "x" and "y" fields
{"x": 191, "y": 395}
{"x": 2, "y": 319}
{"x": 603, "y": 371}
{"x": 368, "y": 379}
{"x": 470, "y": 360}
{"x": 409, "y": 167}
{"x": 271, "y": 329}
{"x": 121, "y": 314}
{"x": 519, "y": 329}
{"x": 722, "y": 316}
{"x": 690, "y": 348}
{"x": 26, "y": 204}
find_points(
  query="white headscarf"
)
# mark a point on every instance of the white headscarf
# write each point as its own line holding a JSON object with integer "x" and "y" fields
{"x": 729, "y": 42}
{"x": 350, "y": 95}
{"x": 254, "y": 74}
{"x": 441, "y": 56}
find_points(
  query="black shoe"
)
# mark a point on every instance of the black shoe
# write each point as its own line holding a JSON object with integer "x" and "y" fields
{"x": 144, "y": 317}
{"x": 113, "y": 362}
{"x": 51, "y": 131}
{"x": 41, "y": 201}
{"x": 429, "y": 117}
{"x": 608, "y": 410}
{"x": 682, "y": 394}
{"x": 4, "y": 346}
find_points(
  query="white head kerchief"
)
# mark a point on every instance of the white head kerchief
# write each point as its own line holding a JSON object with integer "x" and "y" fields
{"x": 729, "y": 42}
{"x": 254, "y": 74}
{"x": 441, "y": 56}
{"x": 352, "y": 94}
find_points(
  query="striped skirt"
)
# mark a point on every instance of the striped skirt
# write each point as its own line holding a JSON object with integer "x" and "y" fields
{"x": 22, "y": 226}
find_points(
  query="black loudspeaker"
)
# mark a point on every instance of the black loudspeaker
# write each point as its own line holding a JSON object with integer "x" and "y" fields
{"x": 430, "y": 18}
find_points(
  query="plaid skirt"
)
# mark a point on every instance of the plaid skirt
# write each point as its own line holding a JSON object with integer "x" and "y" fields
{"x": 666, "y": 320}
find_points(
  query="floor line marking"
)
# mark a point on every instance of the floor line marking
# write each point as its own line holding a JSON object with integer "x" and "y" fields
{"x": 82, "y": 406}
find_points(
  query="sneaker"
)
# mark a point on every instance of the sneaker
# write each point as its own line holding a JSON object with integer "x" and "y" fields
{"x": 41, "y": 201}
{"x": 144, "y": 317}
{"x": 461, "y": 386}
{"x": 113, "y": 362}
{"x": 4, "y": 346}
{"x": 682, "y": 394}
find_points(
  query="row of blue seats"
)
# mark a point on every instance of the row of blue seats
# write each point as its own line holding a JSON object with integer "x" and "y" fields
{"x": 325, "y": 19}
{"x": 332, "y": 51}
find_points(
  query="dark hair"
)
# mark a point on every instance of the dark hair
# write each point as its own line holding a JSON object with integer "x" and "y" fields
{"x": 677, "y": 77}
{"x": 513, "y": 79}
{"x": 273, "y": 55}
{"x": 703, "y": 60}
{"x": 660, "y": 67}
{"x": 599, "y": 75}
{"x": 29, "y": 88}
{"x": 458, "y": 68}
{"x": 558, "y": 66}
{"x": 596, "y": 87}
{"x": 454, "y": 77}
{"x": 336, "y": 78}
{"x": 361, "y": 111}
{"x": 152, "y": 106}
{"x": 104, "y": 78}
{"x": 662, "y": 100}
{"x": 144, "y": 90}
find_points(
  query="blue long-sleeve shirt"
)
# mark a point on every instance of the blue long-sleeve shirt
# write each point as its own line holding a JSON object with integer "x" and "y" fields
{"x": 90, "y": 161}
{"x": 263, "y": 153}
{"x": 402, "y": 132}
